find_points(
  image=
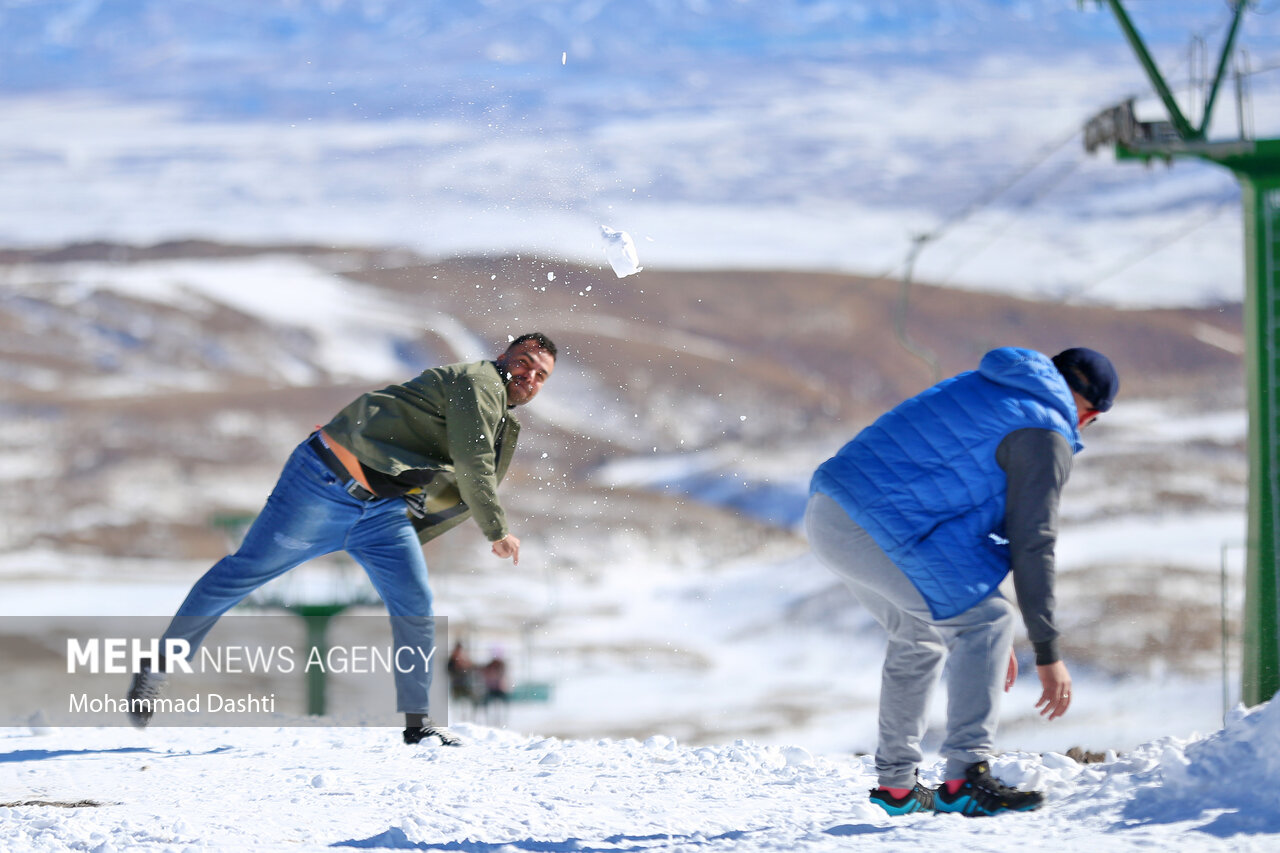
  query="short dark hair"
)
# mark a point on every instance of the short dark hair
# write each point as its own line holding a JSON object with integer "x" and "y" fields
{"x": 538, "y": 338}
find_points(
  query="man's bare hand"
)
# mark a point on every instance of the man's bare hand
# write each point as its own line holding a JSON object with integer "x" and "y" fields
{"x": 1011, "y": 674}
{"x": 1055, "y": 692}
{"x": 508, "y": 546}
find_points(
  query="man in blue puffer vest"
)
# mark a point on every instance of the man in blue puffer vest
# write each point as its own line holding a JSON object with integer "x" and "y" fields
{"x": 923, "y": 514}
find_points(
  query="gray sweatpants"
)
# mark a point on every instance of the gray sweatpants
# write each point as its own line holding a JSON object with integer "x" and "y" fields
{"x": 976, "y": 643}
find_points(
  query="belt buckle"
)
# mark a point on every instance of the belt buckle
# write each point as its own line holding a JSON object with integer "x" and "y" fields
{"x": 358, "y": 491}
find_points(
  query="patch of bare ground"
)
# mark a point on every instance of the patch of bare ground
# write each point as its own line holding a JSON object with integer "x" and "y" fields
{"x": 1136, "y": 617}
{"x": 57, "y": 804}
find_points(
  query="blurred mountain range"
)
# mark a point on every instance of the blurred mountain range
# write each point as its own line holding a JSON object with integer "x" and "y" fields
{"x": 382, "y": 59}
{"x": 680, "y": 381}
{"x": 378, "y": 58}
{"x": 814, "y": 134}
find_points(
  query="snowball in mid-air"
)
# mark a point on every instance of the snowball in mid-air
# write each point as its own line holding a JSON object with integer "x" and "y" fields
{"x": 621, "y": 252}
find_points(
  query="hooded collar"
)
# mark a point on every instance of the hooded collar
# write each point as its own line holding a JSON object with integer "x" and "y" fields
{"x": 1033, "y": 373}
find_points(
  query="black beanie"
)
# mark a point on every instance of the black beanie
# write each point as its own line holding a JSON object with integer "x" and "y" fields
{"x": 1090, "y": 374}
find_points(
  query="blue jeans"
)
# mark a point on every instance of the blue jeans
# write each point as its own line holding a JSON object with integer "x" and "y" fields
{"x": 309, "y": 514}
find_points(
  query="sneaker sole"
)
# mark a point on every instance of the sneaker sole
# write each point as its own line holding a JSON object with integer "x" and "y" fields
{"x": 898, "y": 811}
{"x": 969, "y": 807}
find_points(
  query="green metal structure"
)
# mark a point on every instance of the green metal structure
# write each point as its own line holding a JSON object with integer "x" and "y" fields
{"x": 1256, "y": 165}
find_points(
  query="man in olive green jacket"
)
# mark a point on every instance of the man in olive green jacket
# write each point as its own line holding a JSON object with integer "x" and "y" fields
{"x": 393, "y": 469}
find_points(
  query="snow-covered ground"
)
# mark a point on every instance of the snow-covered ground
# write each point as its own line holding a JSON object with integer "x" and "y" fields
{"x": 314, "y": 789}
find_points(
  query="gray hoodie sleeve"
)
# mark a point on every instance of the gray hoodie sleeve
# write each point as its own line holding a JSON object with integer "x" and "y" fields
{"x": 1036, "y": 463}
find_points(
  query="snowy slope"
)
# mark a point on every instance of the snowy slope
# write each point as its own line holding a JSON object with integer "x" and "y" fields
{"x": 308, "y": 789}
{"x": 664, "y": 588}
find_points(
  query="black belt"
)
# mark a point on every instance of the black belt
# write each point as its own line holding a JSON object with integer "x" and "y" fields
{"x": 334, "y": 464}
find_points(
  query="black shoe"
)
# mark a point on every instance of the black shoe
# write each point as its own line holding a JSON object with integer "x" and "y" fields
{"x": 145, "y": 690}
{"x": 431, "y": 734}
{"x": 918, "y": 799}
{"x": 981, "y": 795}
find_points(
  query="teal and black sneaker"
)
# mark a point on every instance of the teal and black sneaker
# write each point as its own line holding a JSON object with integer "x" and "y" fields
{"x": 983, "y": 795}
{"x": 918, "y": 799}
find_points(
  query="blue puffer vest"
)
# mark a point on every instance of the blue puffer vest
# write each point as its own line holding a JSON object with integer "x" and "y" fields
{"x": 923, "y": 479}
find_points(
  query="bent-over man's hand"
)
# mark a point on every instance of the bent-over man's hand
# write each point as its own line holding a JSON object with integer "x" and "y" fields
{"x": 508, "y": 546}
{"x": 1055, "y": 693}
{"x": 1011, "y": 674}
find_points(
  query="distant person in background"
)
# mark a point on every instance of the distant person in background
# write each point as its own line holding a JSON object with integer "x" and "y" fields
{"x": 496, "y": 689}
{"x": 923, "y": 514}
{"x": 461, "y": 676}
{"x": 393, "y": 469}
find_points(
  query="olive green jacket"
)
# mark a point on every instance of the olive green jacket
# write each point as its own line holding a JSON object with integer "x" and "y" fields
{"x": 449, "y": 430}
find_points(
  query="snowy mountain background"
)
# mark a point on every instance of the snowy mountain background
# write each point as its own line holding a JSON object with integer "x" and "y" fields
{"x": 221, "y": 222}
{"x": 811, "y": 135}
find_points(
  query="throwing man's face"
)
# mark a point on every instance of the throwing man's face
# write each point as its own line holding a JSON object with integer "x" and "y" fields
{"x": 525, "y": 366}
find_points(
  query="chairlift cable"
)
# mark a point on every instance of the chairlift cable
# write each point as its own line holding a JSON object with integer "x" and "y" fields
{"x": 1153, "y": 247}
{"x": 977, "y": 204}
{"x": 907, "y": 265}
{"x": 996, "y": 233}
{"x": 1004, "y": 186}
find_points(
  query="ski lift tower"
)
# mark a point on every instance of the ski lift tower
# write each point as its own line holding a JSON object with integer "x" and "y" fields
{"x": 1256, "y": 165}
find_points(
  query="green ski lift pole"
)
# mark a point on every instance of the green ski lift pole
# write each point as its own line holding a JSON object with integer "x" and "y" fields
{"x": 1256, "y": 165}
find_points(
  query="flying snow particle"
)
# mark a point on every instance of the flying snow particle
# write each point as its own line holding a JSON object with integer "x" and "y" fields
{"x": 621, "y": 252}
{"x": 564, "y": 57}
{"x": 551, "y": 276}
